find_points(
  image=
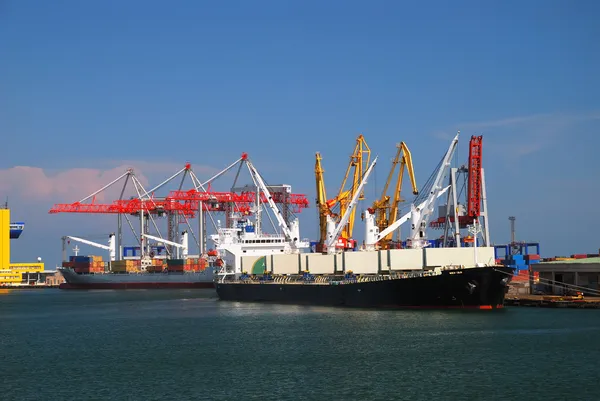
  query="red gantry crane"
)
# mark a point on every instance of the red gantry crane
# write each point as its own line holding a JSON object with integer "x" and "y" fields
{"x": 179, "y": 204}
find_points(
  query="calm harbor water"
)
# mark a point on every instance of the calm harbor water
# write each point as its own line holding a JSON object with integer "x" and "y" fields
{"x": 185, "y": 344}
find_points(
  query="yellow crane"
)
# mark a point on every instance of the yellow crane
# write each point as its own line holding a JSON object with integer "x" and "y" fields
{"x": 323, "y": 208}
{"x": 386, "y": 208}
{"x": 359, "y": 163}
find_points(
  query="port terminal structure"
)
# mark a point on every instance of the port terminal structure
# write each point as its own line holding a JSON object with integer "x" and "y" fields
{"x": 179, "y": 206}
{"x": 12, "y": 274}
{"x": 462, "y": 226}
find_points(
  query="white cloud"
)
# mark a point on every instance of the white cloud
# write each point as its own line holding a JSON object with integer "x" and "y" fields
{"x": 28, "y": 183}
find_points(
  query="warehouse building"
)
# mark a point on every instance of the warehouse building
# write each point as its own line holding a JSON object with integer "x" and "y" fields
{"x": 560, "y": 276}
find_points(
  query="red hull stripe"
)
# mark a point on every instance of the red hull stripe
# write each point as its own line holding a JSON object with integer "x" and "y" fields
{"x": 126, "y": 286}
{"x": 487, "y": 307}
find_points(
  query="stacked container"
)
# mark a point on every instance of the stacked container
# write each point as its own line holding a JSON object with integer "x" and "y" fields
{"x": 579, "y": 256}
{"x": 85, "y": 264}
{"x": 195, "y": 264}
{"x": 175, "y": 265}
{"x": 522, "y": 265}
{"x": 191, "y": 264}
{"x": 157, "y": 266}
{"x": 125, "y": 266}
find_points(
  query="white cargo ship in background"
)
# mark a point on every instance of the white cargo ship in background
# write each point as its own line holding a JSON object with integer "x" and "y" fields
{"x": 92, "y": 272}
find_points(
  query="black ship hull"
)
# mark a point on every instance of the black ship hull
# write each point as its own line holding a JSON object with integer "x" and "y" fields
{"x": 480, "y": 288}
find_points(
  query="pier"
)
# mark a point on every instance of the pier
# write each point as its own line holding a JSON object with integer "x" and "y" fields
{"x": 553, "y": 301}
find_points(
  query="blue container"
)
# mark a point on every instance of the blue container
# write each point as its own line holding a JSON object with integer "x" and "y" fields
{"x": 249, "y": 229}
{"x": 83, "y": 259}
{"x": 534, "y": 261}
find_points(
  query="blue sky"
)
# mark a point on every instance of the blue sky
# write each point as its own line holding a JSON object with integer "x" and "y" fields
{"x": 90, "y": 88}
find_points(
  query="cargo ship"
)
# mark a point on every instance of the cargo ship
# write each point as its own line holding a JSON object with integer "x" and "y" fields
{"x": 135, "y": 280}
{"x": 416, "y": 277}
{"x": 91, "y": 272}
{"x": 447, "y": 287}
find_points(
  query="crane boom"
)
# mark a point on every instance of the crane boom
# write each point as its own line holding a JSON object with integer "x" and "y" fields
{"x": 85, "y": 241}
{"x": 280, "y": 220}
{"x": 111, "y": 247}
{"x": 474, "y": 187}
{"x": 322, "y": 207}
{"x": 176, "y": 244}
{"x": 385, "y": 211}
{"x": 349, "y": 210}
{"x": 396, "y": 224}
{"x": 359, "y": 160}
{"x": 420, "y": 215}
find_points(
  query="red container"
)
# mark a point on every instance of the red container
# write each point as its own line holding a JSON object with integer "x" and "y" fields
{"x": 532, "y": 257}
{"x": 579, "y": 256}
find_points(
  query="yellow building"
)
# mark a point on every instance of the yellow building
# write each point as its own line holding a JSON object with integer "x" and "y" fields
{"x": 14, "y": 273}
{"x": 4, "y": 239}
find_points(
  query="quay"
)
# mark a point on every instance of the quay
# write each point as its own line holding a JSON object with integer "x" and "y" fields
{"x": 552, "y": 301}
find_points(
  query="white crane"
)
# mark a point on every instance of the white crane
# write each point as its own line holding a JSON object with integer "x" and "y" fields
{"x": 292, "y": 234}
{"x": 420, "y": 214}
{"x": 111, "y": 247}
{"x": 373, "y": 236}
{"x": 183, "y": 245}
{"x": 333, "y": 237}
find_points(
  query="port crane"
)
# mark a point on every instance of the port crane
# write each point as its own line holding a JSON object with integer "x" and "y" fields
{"x": 183, "y": 246}
{"x": 468, "y": 181}
{"x": 291, "y": 230}
{"x": 385, "y": 208}
{"x": 179, "y": 205}
{"x": 331, "y": 210}
{"x": 419, "y": 213}
{"x": 111, "y": 247}
{"x": 334, "y": 236}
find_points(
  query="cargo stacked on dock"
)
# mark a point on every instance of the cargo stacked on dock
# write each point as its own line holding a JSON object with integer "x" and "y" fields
{"x": 522, "y": 265}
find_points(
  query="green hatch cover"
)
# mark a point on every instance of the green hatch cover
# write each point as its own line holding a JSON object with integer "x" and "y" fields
{"x": 259, "y": 266}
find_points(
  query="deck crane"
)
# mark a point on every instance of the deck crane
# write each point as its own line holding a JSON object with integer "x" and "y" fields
{"x": 331, "y": 211}
{"x": 111, "y": 247}
{"x": 333, "y": 238}
{"x": 418, "y": 214}
{"x": 291, "y": 232}
{"x": 421, "y": 214}
{"x": 183, "y": 245}
{"x": 384, "y": 210}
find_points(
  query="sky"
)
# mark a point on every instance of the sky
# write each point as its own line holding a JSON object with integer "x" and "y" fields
{"x": 89, "y": 89}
